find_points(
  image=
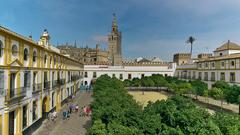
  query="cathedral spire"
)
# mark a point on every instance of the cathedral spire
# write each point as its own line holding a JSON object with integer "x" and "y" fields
{"x": 114, "y": 23}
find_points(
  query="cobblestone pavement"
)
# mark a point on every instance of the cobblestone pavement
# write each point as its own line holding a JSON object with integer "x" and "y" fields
{"x": 75, "y": 125}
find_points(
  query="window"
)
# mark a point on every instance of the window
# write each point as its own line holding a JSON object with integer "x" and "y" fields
{"x": 69, "y": 76}
{"x": 220, "y": 54}
{"x": 129, "y": 76}
{"x": 212, "y": 76}
{"x": 94, "y": 74}
{"x": 24, "y": 122}
{"x": 14, "y": 50}
{"x": 213, "y": 64}
{"x": 113, "y": 75}
{"x": 1, "y": 83}
{"x": 34, "y": 56}
{"x": 34, "y": 108}
{"x": 1, "y": 48}
{"x": 27, "y": 79}
{"x": 232, "y": 63}
{"x": 121, "y": 76}
{"x": 142, "y": 75}
{"x": 85, "y": 74}
{"x": 199, "y": 75}
{"x": 222, "y": 76}
{"x": 34, "y": 80}
{"x": 232, "y": 77}
{"x": 206, "y": 65}
{"x": 200, "y": 65}
{"x": 25, "y": 55}
{"x": 45, "y": 81}
{"x": 188, "y": 74}
{"x": 194, "y": 75}
{"x": 50, "y": 60}
{"x": 222, "y": 64}
{"x": 205, "y": 76}
{"x": 12, "y": 84}
{"x": 45, "y": 59}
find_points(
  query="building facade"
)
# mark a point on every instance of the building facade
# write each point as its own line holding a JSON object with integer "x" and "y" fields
{"x": 34, "y": 80}
{"x": 223, "y": 65}
{"x": 181, "y": 58}
{"x": 128, "y": 70}
{"x": 84, "y": 55}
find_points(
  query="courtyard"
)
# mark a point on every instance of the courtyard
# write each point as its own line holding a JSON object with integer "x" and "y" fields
{"x": 75, "y": 125}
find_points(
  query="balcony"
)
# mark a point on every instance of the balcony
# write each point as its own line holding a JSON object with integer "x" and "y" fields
{"x": 75, "y": 77}
{"x": 46, "y": 86}
{"x": 16, "y": 94}
{"x": 62, "y": 81}
{"x": 37, "y": 88}
{"x": 55, "y": 84}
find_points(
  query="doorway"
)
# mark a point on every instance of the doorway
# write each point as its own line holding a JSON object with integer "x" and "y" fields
{"x": 11, "y": 123}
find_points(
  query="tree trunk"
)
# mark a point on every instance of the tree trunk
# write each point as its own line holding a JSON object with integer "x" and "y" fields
{"x": 191, "y": 50}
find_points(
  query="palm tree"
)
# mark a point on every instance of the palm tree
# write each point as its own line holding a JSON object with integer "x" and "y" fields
{"x": 191, "y": 40}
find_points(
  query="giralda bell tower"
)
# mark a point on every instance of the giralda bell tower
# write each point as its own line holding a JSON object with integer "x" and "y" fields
{"x": 114, "y": 44}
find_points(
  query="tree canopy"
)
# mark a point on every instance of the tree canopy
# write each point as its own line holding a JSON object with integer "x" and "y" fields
{"x": 115, "y": 112}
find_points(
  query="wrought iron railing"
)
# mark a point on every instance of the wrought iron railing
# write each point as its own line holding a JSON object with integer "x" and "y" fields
{"x": 16, "y": 93}
{"x": 55, "y": 84}
{"x": 37, "y": 88}
{"x": 62, "y": 81}
{"x": 46, "y": 85}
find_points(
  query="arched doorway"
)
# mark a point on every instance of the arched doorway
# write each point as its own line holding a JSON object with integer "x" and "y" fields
{"x": 44, "y": 108}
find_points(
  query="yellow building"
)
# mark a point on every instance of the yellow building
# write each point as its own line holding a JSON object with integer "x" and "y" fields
{"x": 224, "y": 65}
{"x": 34, "y": 80}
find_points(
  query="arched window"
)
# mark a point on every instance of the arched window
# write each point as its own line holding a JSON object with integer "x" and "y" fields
{"x": 54, "y": 60}
{"x": 34, "y": 56}
{"x": 1, "y": 48}
{"x": 25, "y": 55}
{"x": 50, "y": 60}
{"x": 14, "y": 50}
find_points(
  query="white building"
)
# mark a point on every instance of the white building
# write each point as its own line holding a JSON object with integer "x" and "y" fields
{"x": 127, "y": 71}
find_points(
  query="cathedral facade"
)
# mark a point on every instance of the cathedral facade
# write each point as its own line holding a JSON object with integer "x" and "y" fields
{"x": 112, "y": 56}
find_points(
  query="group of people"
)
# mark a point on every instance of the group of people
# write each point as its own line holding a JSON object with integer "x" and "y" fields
{"x": 71, "y": 108}
{"x": 85, "y": 111}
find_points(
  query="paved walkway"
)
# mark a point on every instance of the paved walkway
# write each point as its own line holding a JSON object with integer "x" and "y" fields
{"x": 211, "y": 101}
{"x": 75, "y": 125}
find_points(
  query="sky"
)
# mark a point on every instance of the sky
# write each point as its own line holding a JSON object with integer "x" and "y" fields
{"x": 150, "y": 28}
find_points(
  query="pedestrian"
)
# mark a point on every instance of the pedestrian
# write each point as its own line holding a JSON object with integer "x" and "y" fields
{"x": 70, "y": 108}
{"x": 84, "y": 111}
{"x": 68, "y": 114}
{"x": 76, "y": 108}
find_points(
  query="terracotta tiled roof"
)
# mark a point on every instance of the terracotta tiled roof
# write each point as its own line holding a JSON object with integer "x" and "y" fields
{"x": 228, "y": 46}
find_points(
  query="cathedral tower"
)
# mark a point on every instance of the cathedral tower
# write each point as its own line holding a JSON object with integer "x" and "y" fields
{"x": 114, "y": 44}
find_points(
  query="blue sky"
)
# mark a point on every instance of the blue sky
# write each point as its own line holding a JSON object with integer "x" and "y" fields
{"x": 149, "y": 27}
